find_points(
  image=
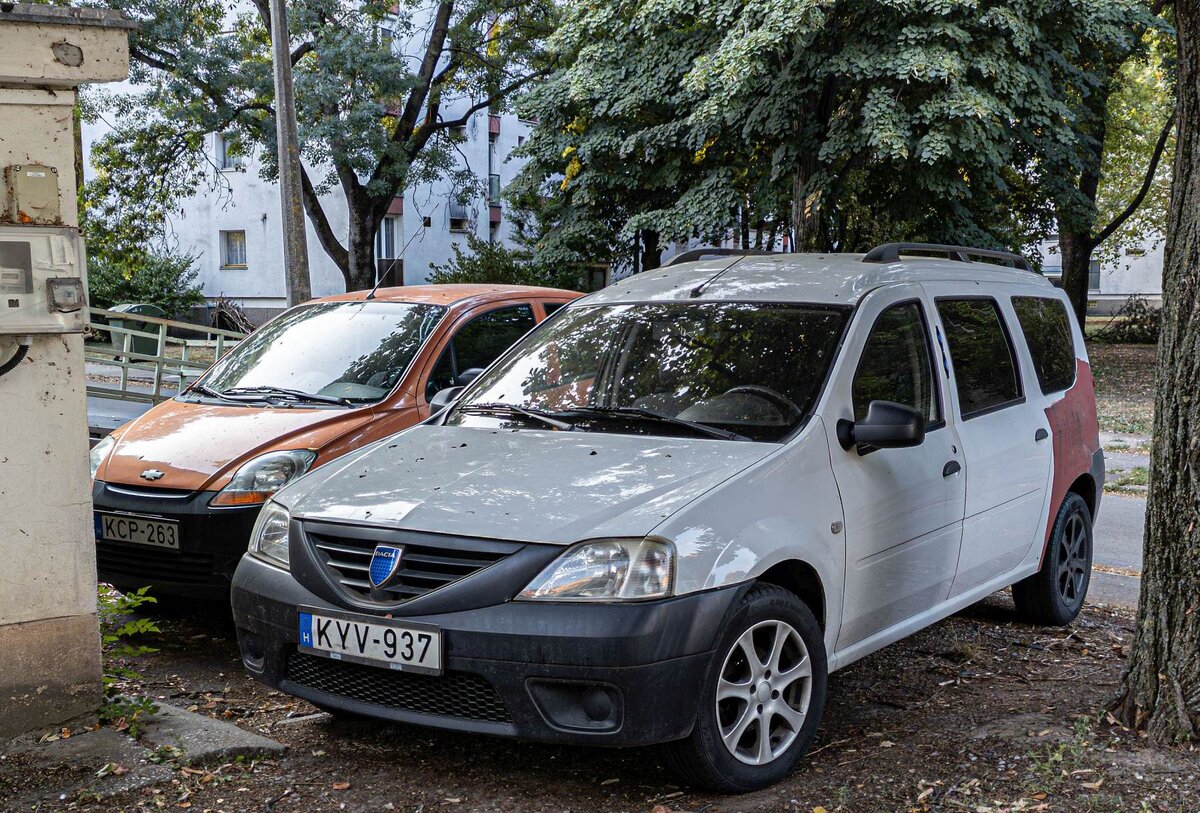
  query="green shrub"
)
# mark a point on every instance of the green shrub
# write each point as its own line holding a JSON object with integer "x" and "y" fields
{"x": 165, "y": 280}
{"x": 484, "y": 262}
{"x": 117, "y": 631}
{"x": 1136, "y": 322}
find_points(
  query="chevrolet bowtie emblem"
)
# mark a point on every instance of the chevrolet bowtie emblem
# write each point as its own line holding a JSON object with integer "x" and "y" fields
{"x": 152, "y": 474}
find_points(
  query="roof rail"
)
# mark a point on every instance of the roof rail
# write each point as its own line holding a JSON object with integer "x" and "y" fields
{"x": 701, "y": 253}
{"x": 890, "y": 253}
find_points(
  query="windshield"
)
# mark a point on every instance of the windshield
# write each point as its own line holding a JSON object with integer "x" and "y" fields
{"x": 753, "y": 369}
{"x": 355, "y": 351}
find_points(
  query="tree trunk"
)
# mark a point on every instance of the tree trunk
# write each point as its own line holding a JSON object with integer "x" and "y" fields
{"x": 1075, "y": 248}
{"x": 360, "y": 275}
{"x": 806, "y": 226}
{"x": 651, "y": 250}
{"x": 1160, "y": 691}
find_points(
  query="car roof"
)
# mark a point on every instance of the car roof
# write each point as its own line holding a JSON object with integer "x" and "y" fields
{"x": 452, "y": 294}
{"x": 835, "y": 279}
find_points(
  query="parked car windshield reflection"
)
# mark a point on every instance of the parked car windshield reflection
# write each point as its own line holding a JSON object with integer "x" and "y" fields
{"x": 355, "y": 352}
{"x": 730, "y": 369}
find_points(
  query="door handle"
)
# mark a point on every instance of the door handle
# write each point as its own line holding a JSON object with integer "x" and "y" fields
{"x": 951, "y": 468}
{"x": 1040, "y": 435}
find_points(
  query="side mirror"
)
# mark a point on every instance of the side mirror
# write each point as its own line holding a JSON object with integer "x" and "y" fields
{"x": 467, "y": 376}
{"x": 443, "y": 399}
{"x": 888, "y": 425}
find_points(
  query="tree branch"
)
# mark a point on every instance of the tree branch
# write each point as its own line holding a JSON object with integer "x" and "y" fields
{"x": 1147, "y": 182}
{"x": 316, "y": 215}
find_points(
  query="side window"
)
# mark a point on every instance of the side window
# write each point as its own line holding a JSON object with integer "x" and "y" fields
{"x": 551, "y": 307}
{"x": 985, "y": 368}
{"x": 1047, "y": 330}
{"x": 895, "y": 364}
{"x": 478, "y": 343}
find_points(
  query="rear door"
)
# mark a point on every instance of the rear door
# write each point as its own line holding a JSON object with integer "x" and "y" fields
{"x": 1005, "y": 437}
{"x": 476, "y": 343}
{"x": 903, "y": 507}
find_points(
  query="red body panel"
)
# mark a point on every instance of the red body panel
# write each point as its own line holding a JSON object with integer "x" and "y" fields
{"x": 1076, "y": 435}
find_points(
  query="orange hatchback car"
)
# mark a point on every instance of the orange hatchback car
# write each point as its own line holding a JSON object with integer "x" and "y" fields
{"x": 177, "y": 490}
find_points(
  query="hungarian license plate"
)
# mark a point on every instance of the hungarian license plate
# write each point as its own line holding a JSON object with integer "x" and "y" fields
{"x": 373, "y": 641}
{"x": 137, "y": 530}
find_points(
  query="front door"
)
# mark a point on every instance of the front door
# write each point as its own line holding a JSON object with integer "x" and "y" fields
{"x": 1004, "y": 436}
{"x": 903, "y": 507}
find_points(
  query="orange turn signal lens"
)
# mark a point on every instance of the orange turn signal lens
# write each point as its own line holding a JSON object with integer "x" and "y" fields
{"x": 240, "y": 498}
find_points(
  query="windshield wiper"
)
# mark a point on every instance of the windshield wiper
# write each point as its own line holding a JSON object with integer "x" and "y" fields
{"x": 204, "y": 389}
{"x": 648, "y": 416}
{"x": 299, "y": 395}
{"x": 518, "y": 411}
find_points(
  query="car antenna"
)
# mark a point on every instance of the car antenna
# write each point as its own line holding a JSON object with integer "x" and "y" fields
{"x": 699, "y": 289}
{"x": 403, "y": 248}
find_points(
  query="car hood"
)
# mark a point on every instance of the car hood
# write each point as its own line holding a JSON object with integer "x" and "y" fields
{"x": 198, "y": 446}
{"x": 523, "y": 485}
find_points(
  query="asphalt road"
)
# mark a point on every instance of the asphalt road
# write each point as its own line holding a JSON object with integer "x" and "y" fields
{"x": 1117, "y": 552}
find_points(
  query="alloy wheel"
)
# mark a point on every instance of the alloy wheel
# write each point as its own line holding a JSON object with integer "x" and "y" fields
{"x": 1072, "y": 561}
{"x": 763, "y": 692}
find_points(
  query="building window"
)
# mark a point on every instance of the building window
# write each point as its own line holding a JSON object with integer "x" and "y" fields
{"x": 227, "y": 155}
{"x": 1135, "y": 251}
{"x": 459, "y": 132}
{"x": 1094, "y": 276}
{"x": 385, "y": 239}
{"x": 233, "y": 249}
{"x": 387, "y": 36}
{"x": 494, "y": 233}
{"x": 493, "y": 171}
{"x": 427, "y": 221}
{"x": 520, "y": 140}
{"x": 458, "y": 217}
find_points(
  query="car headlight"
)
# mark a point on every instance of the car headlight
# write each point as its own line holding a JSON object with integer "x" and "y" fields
{"x": 269, "y": 539}
{"x": 100, "y": 451}
{"x": 608, "y": 570}
{"x": 261, "y": 477}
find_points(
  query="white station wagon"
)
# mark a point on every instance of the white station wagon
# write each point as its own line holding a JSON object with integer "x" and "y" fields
{"x": 671, "y": 510}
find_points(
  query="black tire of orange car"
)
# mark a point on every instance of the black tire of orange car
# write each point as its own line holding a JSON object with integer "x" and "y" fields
{"x": 702, "y": 759}
{"x": 1045, "y": 598}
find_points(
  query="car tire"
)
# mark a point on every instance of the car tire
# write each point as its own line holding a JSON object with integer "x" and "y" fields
{"x": 786, "y": 641}
{"x": 1055, "y": 594}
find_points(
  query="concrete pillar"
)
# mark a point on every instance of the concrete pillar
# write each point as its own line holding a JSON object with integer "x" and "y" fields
{"x": 49, "y": 640}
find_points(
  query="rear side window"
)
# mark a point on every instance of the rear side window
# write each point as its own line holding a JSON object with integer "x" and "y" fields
{"x": 478, "y": 343}
{"x": 1047, "y": 330}
{"x": 551, "y": 307}
{"x": 985, "y": 368}
{"x": 895, "y": 364}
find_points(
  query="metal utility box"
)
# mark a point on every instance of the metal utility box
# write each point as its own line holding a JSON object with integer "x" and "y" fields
{"x": 33, "y": 196}
{"x": 41, "y": 280}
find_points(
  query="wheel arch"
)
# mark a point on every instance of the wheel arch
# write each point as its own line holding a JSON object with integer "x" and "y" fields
{"x": 1085, "y": 486}
{"x": 801, "y": 579}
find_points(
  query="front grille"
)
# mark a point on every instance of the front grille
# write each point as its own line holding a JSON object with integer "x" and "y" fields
{"x": 154, "y": 565}
{"x": 428, "y": 561}
{"x": 453, "y": 694}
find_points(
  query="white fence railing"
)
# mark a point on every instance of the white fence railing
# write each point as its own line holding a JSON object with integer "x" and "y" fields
{"x": 142, "y": 376}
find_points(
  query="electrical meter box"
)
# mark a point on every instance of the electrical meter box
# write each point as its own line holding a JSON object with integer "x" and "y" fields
{"x": 32, "y": 194}
{"x": 41, "y": 280}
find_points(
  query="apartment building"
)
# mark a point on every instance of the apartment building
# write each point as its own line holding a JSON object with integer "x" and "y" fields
{"x": 235, "y": 229}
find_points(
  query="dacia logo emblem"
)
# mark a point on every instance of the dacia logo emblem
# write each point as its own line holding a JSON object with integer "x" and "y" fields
{"x": 152, "y": 474}
{"x": 385, "y": 564}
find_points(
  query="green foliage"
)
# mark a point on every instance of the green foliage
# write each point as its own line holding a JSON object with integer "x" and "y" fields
{"x": 943, "y": 121}
{"x": 117, "y": 634}
{"x": 1141, "y": 103}
{"x": 1135, "y": 322}
{"x": 369, "y": 105}
{"x": 487, "y": 262}
{"x": 161, "y": 279}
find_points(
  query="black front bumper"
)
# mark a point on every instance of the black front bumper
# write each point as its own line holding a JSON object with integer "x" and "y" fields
{"x": 600, "y": 674}
{"x": 211, "y": 542}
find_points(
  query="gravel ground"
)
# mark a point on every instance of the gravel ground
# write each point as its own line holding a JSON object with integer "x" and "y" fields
{"x": 978, "y": 713}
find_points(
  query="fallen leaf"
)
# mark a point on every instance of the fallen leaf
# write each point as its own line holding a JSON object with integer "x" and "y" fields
{"x": 341, "y": 785}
